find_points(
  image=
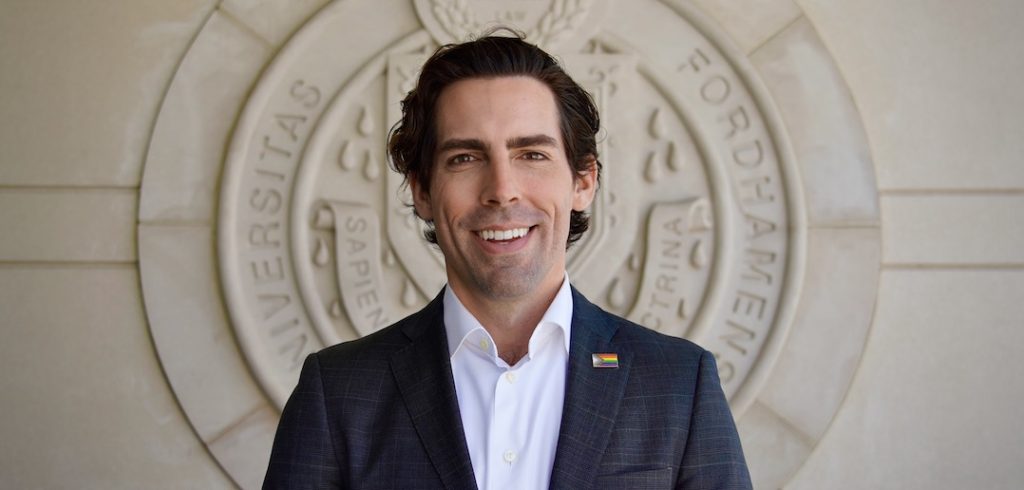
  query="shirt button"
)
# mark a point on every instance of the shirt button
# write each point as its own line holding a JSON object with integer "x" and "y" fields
{"x": 510, "y": 376}
{"x": 484, "y": 344}
{"x": 510, "y": 456}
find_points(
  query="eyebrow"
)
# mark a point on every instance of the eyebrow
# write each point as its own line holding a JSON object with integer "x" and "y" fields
{"x": 479, "y": 145}
{"x": 532, "y": 140}
{"x": 462, "y": 144}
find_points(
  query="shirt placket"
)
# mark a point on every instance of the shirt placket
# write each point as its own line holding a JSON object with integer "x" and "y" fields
{"x": 504, "y": 446}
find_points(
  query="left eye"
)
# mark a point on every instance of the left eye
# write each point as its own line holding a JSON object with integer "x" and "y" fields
{"x": 533, "y": 155}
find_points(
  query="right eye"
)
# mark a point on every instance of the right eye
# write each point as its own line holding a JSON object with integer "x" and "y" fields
{"x": 461, "y": 158}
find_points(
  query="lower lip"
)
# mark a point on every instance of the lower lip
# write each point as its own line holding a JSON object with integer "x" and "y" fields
{"x": 505, "y": 246}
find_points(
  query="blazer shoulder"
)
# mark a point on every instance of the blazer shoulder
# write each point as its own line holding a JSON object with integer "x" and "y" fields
{"x": 625, "y": 332}
{"x": 382, "y": 344}
{"x": 648, "y": 341}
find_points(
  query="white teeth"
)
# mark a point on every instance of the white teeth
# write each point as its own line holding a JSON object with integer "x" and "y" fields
{"x": 503, "y": 234}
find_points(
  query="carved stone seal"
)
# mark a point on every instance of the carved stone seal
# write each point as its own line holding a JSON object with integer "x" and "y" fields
{"x": 700, "y": 226}
{"x": 692, "y": 224}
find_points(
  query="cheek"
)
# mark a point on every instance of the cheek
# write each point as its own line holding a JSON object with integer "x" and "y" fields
{"x": 450, "y": 205}
{"x": 565, "y": 211}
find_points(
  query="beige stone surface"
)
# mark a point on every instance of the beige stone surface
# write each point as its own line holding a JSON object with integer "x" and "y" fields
{"x": 824, "y": 127}
{"x": 961, "y": 229}
{"x": 183, "y": 166}
{"x": 84, "y": 402}
{"x": 750, "y": 22}
{"x": 937, "y": 400}
{"x": 932, "y": 403}
{"x": 67, "y": 225}
{"x": 188, "y": 322}
{"x": 825, "y": 342}
{"x": 938, "y": 85}
{"x": 273, "y": 20}
{"x": 244, "y": 451}
{"x": 770, "y": 444}
{"x": 81, "y": 85}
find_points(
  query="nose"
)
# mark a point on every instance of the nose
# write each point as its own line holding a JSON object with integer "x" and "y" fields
{"x": 500, "y": 187}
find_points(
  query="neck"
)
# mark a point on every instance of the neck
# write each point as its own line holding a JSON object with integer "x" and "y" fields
{"x": 510, "y": 322}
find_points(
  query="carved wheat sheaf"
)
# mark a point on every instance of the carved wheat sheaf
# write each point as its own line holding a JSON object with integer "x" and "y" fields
{"x": 564, "y": 16}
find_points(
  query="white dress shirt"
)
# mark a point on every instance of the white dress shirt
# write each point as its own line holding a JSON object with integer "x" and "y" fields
{"x": 511, "y": 414}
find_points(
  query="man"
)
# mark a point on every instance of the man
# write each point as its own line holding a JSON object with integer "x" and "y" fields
{"x": 509, "y": 378}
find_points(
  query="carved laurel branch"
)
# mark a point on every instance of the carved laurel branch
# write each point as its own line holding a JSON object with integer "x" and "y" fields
{"x": 456, "y": 17}
{"x": 563, "y": 18}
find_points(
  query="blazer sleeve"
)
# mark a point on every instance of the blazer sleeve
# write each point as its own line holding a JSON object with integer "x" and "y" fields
{"x": 303, "y": 455}
{"x": 713, "y": 458}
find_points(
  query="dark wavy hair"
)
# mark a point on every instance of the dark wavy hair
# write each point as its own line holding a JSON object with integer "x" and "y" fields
{"x": 413, "y": 139}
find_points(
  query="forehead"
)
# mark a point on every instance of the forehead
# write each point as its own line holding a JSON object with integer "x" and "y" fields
{"x": 478, "y": 107}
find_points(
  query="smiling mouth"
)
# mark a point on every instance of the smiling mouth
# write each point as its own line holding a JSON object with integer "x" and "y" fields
{"x": 502, "y": 235}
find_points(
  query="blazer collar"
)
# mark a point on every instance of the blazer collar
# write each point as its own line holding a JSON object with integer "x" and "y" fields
{"x": 592, "y": 396}
{"x": 423, "y": 373}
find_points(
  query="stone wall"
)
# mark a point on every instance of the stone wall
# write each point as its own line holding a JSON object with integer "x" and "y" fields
{"x": 887, "y": 359}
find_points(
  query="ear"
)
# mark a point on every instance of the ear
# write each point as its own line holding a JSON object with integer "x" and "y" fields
{"x": 585, "y": 186}
{"x": 421, "y": 201}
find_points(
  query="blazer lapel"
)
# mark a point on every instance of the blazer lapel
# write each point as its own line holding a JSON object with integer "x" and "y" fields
{"x": 592, "y": 397}
{"x": 423, "y": 374}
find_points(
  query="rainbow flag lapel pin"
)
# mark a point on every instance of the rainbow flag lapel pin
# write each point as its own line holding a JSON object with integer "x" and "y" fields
{"x": 608, "y": 360}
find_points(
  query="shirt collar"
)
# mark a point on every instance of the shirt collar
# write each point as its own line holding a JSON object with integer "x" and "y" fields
{"x": 462, "y": 327}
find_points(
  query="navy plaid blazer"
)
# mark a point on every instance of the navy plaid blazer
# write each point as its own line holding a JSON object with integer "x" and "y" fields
{"x": 381, "y": 412}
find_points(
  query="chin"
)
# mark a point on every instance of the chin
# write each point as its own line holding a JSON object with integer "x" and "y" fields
{"x": 507, "y": 284}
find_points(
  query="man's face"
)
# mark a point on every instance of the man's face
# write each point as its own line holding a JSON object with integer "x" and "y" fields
{"x": 502, "y": 190}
